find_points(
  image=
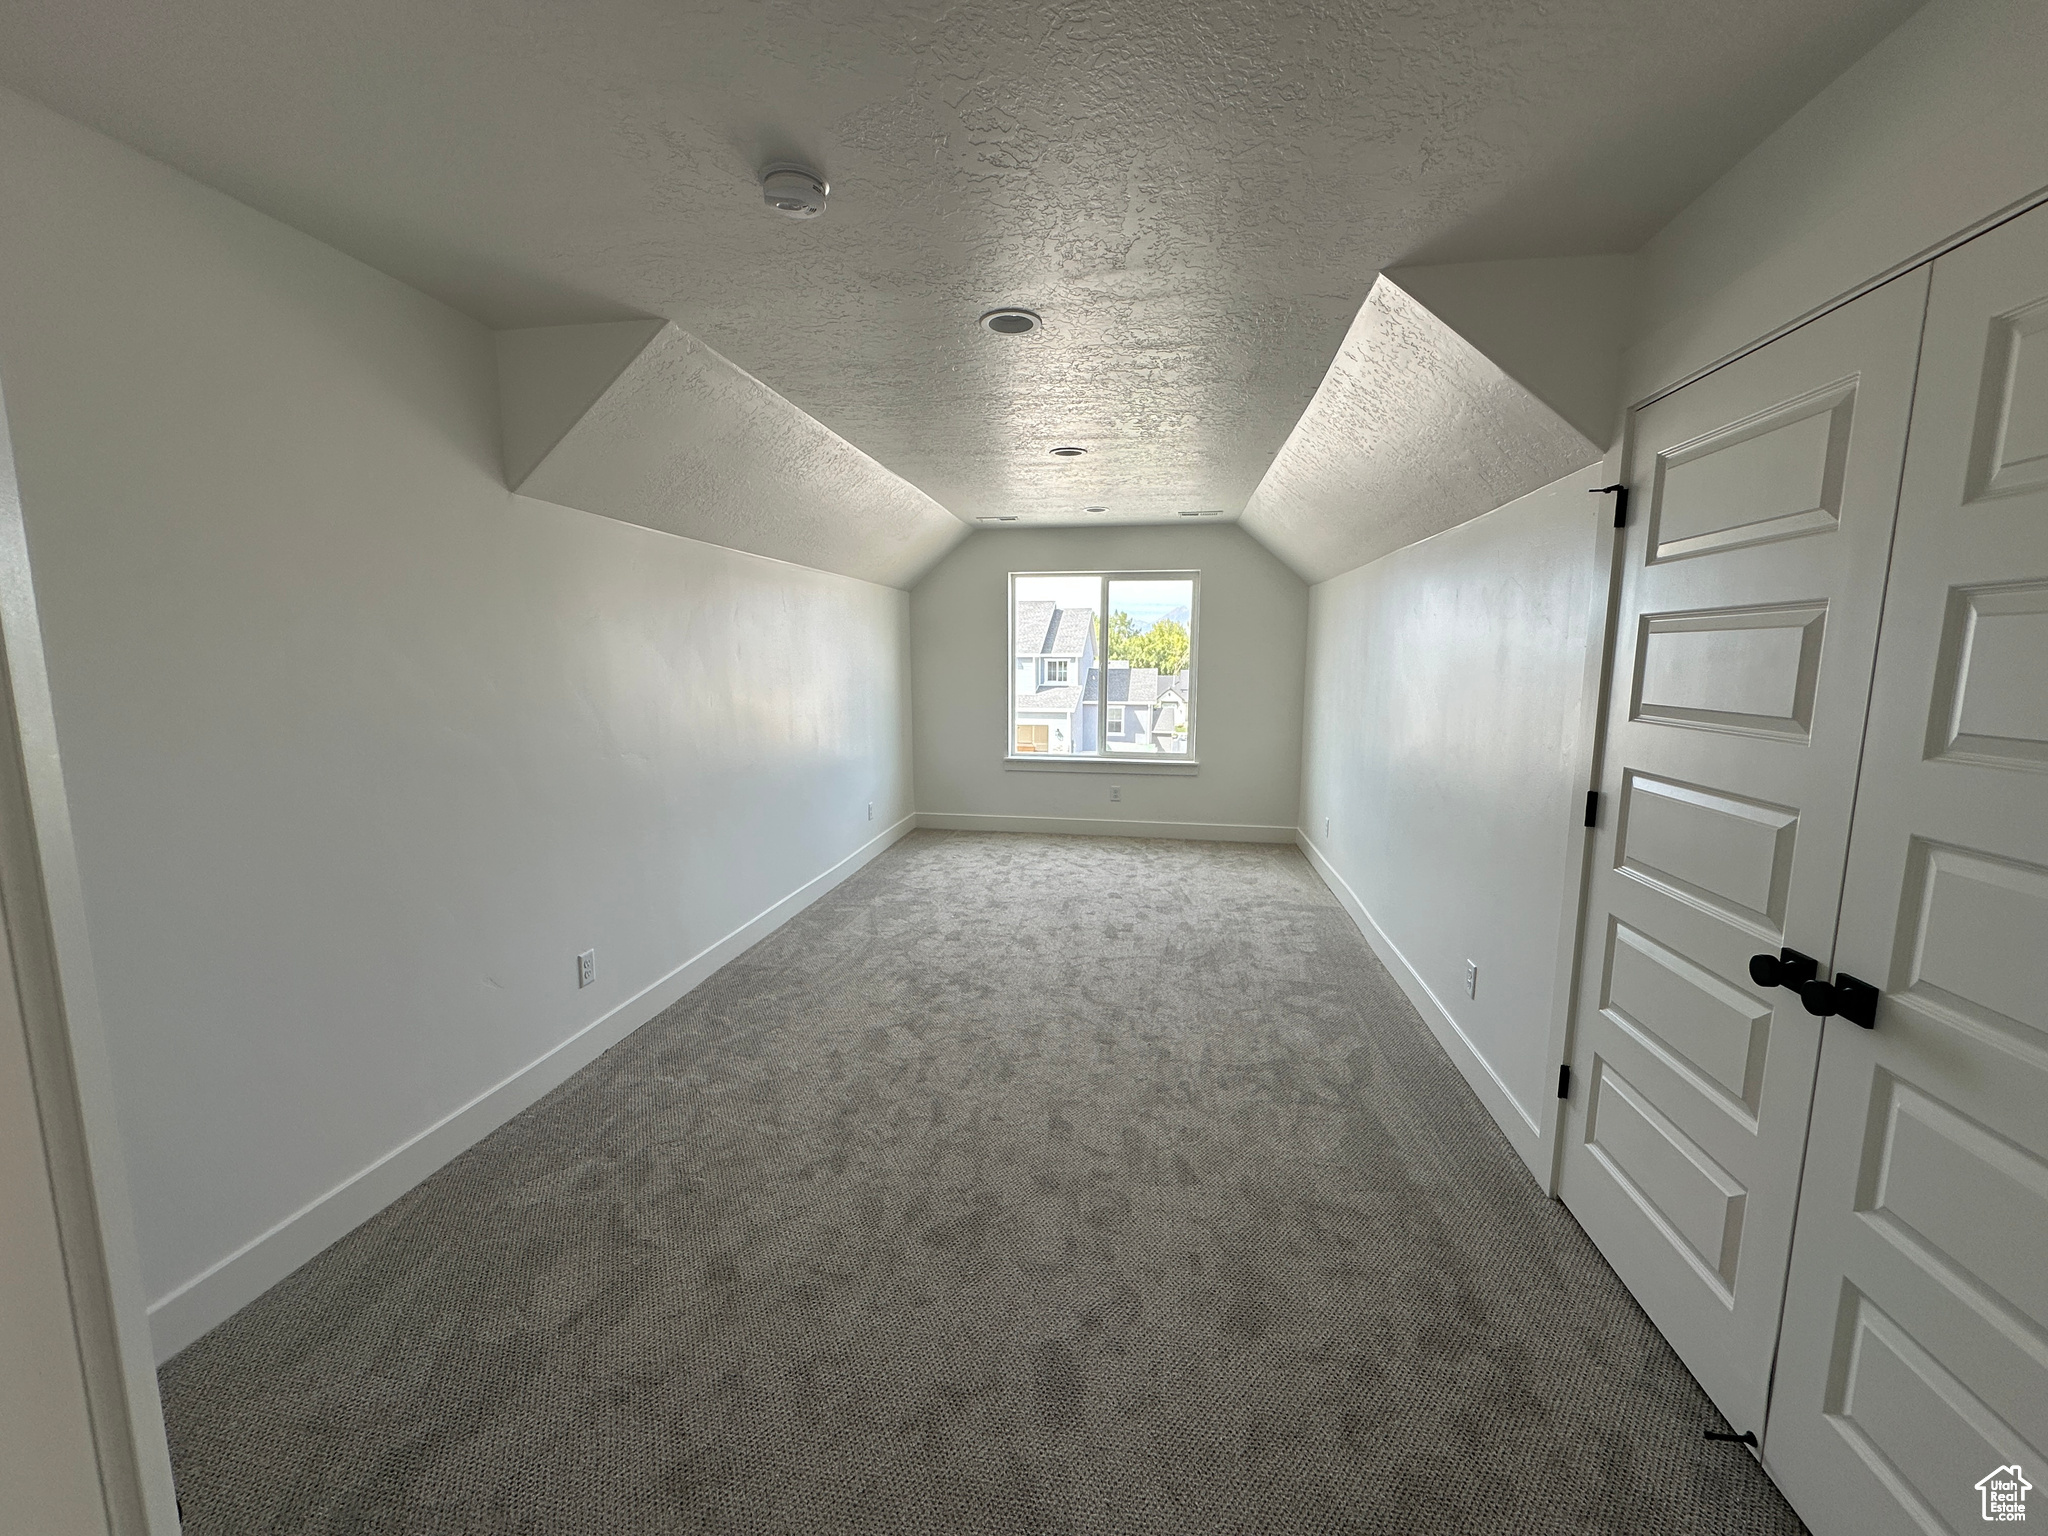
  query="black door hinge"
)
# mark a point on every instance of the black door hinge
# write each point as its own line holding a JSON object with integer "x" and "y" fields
{"x": 1592, "y": 807}
{"x": 1564, "y": 1081}
{"x": 1620, "y": 494}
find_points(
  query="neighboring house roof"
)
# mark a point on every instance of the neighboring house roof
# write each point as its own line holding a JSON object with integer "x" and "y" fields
{"x": 1070, "y": 635}
{"x": 1045, "y": 629}
{"x": 1034, "y": 624}
{"x": 1131, "y": 685}
{"x": 1050, "y": 701}
{"x": 1140, "y": 685}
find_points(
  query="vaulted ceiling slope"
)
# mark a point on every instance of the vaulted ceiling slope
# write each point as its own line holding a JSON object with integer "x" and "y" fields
{"x": 1197, "y": 195}
{"x": 639, "y": 420}
{"x": 1413, "y": 431}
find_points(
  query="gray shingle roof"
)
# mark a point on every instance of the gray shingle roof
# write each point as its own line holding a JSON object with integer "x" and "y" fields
{"x": 1050, "y": 701}
{"x": 1070, "y": 637}
{"x": 1034, "y": 622}
{"x": 1139, "y": 685}
{"x": 1045, "y": 629}
{"x": 1129, "y": 685}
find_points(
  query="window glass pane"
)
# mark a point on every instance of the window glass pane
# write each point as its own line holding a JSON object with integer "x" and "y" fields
{"x": 1150, "y": 645}
{"x": 1056, "y": 630}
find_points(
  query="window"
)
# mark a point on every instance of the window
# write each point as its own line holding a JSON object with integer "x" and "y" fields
{"x": 1102, "y": 663}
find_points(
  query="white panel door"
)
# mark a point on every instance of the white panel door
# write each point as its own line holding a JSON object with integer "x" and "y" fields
{"x": 1915, "y": 1353}
{"x": 1763, "y": 499}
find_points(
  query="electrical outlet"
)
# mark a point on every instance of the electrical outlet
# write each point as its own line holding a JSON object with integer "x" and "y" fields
{"x": 871, "y": 810}
{"x": 586, "y": 968}
{"x": 1472, "y": 978}
{"x": 1116, "y": 791}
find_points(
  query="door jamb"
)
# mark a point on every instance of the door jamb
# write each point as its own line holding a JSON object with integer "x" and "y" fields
{"x": 1589, "y": 744}
{"x": 42, "y": 907}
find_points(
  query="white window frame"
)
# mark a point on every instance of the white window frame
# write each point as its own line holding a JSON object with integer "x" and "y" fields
{"x": 1116, "y": 720}
{"x": 1104, "y": 754}
{"x": 1049, "y": 680}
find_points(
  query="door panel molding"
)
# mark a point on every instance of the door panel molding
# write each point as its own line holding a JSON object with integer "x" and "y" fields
{"x": 1914, "y": 1349}
{"x": 1746, "y": 629}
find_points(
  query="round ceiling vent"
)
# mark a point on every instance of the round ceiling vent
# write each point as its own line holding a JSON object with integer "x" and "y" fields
{"x": 793, "y": 191}
{"x": 1068, "y": 452}
{"x": 1010, "y": 322}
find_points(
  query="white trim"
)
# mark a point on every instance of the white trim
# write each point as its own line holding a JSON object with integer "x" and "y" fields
{"x": 1524, "y": 1133}
{"x": 57, "y": 1003}
{"x": 1088, "y": 762}
{"x": 1100, "y": 708}
{"x": 1090, "y": 826}
{"x": 1610, "y": 548}
{"x": 1850, "y": 295}
{"x": 216, "y": 1294}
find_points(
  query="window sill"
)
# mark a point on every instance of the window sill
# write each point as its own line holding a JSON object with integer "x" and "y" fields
{"x": 1048, "y": 762}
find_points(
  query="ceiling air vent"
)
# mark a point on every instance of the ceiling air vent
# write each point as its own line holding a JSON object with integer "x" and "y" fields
{"x": 1010, "y": 322}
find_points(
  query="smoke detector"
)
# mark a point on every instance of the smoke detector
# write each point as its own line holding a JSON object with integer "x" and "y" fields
{"x": 793, "y": 191}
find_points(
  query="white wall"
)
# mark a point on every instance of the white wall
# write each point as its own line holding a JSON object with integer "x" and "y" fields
{"x": 1249, "y": 653}
{"x": 1941, "y": 125}
{"x": 1444, "y": 687}
{"x": 362, "y": 749}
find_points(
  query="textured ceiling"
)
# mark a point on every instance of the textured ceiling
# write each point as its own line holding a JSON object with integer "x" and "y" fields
{"x": 1196, "y": 194}
{"x": 1452, "y": 437}
{"x": 677, "y": 438}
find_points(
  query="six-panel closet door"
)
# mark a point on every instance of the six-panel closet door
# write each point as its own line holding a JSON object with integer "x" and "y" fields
{"x": 1762, "y": 499}
{"x": 1914, "y": 1360}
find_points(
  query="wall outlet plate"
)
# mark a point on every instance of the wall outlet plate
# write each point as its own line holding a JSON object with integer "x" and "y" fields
{"x": 586, "y": 968}
{"x": 1116, "y": 791}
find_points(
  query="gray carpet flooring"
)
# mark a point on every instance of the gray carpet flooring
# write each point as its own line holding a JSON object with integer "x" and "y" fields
{"x": 1019, "y": 1185}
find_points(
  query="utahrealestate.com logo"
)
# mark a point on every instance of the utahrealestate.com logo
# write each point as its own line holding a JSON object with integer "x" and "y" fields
{"x": 2005, "y": 1494}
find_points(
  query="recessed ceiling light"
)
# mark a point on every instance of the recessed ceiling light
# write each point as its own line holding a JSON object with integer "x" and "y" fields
{"x": 1095, "y": 509}
{"x": 1068, "y": 452}
{"x": 793, "y": 191}
{"x": 1010, "y": 322}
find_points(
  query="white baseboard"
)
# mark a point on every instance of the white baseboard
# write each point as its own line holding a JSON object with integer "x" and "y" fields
{"x": 1523, "y": 1132}
{"x": 1091, "y": 826}
{"x": 215, "y": 1294}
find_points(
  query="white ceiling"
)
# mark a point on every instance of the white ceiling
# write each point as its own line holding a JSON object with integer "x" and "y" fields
{"x": 1196, "y": 194}
{"x": 638, "y": 420}
{"x": 1453, "y": 437}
